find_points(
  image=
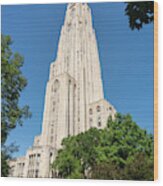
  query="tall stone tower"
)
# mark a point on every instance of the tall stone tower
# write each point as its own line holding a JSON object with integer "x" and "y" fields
{"x": 74, "y": 100}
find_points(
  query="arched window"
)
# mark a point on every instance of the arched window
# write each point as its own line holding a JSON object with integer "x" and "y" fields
{"x": 98, "y": 108}
{"x": 99, "y": 122}
{"x": 37, "y": 173}
{"x": 56, "y": 85}
{"x": 90, "y": 111}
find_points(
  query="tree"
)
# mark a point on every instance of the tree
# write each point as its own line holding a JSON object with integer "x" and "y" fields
{"x": 6, "y": 153}
{"x": 106, "y": 171}
{"x": 139, "y": 13}
{"x": 139, "y": 168}
{"x": 108, "y": 153}
{"x": 12, "y": 84}
{"x": 77, "y": 155}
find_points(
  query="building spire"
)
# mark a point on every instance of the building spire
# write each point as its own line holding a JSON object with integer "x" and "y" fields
{"x": 74, "y": 100}
{"x": 77, "y": 11}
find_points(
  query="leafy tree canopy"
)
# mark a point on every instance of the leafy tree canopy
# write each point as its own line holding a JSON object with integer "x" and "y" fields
{"x": 140, "y": 13}
{"x": 112, "y": 151}
{"x": 12, "y": 84}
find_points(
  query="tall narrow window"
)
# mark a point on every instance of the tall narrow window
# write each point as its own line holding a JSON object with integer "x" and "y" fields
{"x": 90, "y": 111}
{"x": 36, "y": 173}
{"x": 56, "y": 85}
{"x": 99, "y": 122}
{"x": 98, "y": 108}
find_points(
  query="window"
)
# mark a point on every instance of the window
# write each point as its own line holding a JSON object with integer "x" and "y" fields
{"x": 36, "y": 173}
{"x": 90, "y": 111}
{"x": 98, "y": 108}
{"x": 69, "y": 24}
{"x": 110, "y": 108}
{"x": 38, "y": 160}
{"x": 56, "y": 85}
{"x": 99, "y": 122}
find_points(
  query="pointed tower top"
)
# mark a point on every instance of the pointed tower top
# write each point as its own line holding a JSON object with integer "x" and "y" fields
{"x": 74, "y": 5}
{"x": 77, "y": 12}
{"x": 77, "y": 7}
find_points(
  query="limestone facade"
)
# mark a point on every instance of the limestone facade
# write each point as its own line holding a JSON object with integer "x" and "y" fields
{"x": 74, "y": 100}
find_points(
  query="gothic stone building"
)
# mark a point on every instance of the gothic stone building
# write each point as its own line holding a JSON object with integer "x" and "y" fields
{"x": 74, "y": 100}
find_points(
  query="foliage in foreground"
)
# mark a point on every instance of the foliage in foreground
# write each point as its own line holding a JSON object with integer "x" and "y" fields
{"x": 122, "y": 150}
{"x": 12, "y": 84}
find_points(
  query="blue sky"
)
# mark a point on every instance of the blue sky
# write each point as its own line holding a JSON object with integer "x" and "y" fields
{"x": 126, "y": 59}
